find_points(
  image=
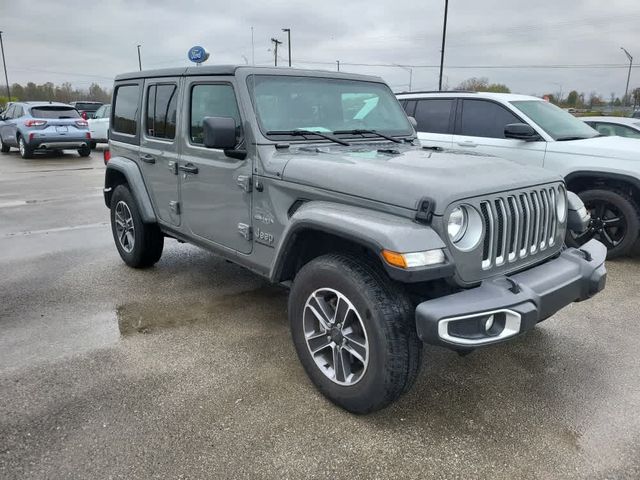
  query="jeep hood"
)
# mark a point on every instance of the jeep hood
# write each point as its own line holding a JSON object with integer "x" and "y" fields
{"x": 605, "y": 147}
{"x": 408, "y": 176}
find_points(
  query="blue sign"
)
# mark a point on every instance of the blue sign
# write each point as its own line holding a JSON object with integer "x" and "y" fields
{"x": 198, "y": 54}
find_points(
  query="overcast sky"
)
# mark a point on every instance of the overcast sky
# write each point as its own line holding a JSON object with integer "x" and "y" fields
{"x": 86, "y": 41}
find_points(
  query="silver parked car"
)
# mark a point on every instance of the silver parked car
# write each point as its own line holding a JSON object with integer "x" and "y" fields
{"x": 32, "y": 126}
{"x": 618, "y": 126}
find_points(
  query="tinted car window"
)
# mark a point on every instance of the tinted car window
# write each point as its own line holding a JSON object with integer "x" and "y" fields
{"x": 433, "y": 116}
{"x": 409, "y": 107}
{"x": 126, "y": 109}
{"x": 87, "y": 106}
{"x": 54, "y": 112}
{"x": 9, "y": 113}
{"x": 211, "y": 101}
{"x": 18, "y": 112}
{"x": 162, "y": 101}
{"x": 485, "y": 119}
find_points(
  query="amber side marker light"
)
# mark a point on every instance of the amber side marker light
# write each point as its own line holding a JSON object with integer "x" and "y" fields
{"x": 414, "y": 259}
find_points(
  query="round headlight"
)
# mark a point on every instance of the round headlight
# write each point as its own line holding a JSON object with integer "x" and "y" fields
{"x": 457, "y": 225}
{"x": 561, "y": 204}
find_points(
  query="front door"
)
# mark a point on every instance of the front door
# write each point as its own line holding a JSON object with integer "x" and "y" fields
{"x": 480, "y": 127}
{"x": 158, "y": 158}
{"x": 215, "y": 188}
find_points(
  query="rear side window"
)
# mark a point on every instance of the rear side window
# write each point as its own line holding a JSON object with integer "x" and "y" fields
{"x": 217, "y": 100}
{"x": 409, "y": 107}
{"x": 162, "y": 103}
{"x": 54, "y": 112}
{"x": 126, "y": 99}
{"x": 433, "y": 116}
{"x": 485, "y": 119}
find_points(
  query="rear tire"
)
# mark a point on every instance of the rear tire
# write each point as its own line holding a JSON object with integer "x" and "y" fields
{"x": 614, "y": 221}
{"x": 84, "y": 151}
{"x": 139, "y": 244}
{"x": 25, "y": 151}
{"x": 4, "y": 148}
{"x": 376, "y": 313}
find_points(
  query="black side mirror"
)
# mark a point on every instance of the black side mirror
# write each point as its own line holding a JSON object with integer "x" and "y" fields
{"x": 521, "y": 131}
{"x": 219, "y": 132}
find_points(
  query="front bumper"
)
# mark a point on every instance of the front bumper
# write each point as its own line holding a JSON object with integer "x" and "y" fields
{"x": 503, "y": 307}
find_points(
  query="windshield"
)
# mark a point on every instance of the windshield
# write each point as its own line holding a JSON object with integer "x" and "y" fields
{"x": 285, "y": 103}
{"x": 559, "y": 124}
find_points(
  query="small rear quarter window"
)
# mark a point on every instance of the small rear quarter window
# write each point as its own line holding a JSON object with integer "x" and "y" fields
{"x": 126, "y": 99}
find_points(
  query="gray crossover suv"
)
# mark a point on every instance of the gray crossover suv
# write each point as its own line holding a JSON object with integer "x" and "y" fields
{"x": 315, "y": 180}
{"x": 33, "y": 126}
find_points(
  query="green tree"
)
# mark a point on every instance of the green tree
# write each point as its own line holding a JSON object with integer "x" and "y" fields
{"x": 572, "y": 98}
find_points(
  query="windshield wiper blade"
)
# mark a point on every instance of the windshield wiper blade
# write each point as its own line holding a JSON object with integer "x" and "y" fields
{"x": 305, "y": 133}
{"x": 569, "y": 137}
{"x": 362, "y": 132}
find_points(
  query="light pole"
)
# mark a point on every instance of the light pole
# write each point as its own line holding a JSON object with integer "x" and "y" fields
{"x": 626, "y": 90}
{"x": 139, "y": 59}
{"x": 444, "y": 36}
{"x": 288, "y": 32}
{"x": 407, "y": 69}
{"x": 275, "y": 53}
{"x": 4, "y": 64}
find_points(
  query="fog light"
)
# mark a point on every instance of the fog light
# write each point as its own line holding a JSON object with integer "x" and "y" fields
{"x": 488, "y": 323}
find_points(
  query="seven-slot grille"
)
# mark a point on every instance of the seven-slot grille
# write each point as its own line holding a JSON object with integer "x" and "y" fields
{"x": 518, "y": 225}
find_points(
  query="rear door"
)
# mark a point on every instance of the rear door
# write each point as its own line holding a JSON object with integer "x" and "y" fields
{"x": 480, "y": 127}
{"x": 435, "y": 121}
{"x": 158, "y": 157}
{"x": 215, "y": 189}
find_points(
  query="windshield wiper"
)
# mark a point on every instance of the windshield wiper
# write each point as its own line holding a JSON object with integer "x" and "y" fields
{"x": 571, "y": 137}
{"x": 362, "y": 132}
{"x": 306, "y": 133}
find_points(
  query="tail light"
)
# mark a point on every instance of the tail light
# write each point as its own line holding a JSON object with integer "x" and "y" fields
{"x": 31, "y": 135}
{"x": 35, "y": 123}
{"x": 84, "y": 115}
{"x": 88, "y": 135}
{"x": 82, "y": 123}
{"x": 106, "y": 155}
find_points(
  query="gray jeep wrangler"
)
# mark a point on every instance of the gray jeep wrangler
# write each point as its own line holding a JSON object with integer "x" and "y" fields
{"x": 315, "y": 180}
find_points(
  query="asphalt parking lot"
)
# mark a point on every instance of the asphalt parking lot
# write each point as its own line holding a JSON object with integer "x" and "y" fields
{"x": 187, "y": 370}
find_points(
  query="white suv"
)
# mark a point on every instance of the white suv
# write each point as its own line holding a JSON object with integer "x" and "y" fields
{"x": 604, "y": 171}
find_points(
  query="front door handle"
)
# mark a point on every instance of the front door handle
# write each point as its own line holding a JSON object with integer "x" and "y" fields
{"x": 188, "y": 168}
{"x": 148, "y": 158}
{"x": 468, "y": 143}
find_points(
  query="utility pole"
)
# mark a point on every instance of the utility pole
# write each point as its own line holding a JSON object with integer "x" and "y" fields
{"x": 4, "y": 64}
{"x": 288, "y": 31}
{"x": 444, "y": 36}
{"x": 407, "y": 69}
{"x": 275, "y": 52}
{"x": 626, "y": 90}
{"x": 139, "y": 59}
{"x": 338, "y": 63}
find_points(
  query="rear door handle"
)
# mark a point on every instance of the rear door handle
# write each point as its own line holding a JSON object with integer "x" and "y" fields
{"x": 468, "y": 143}
{"x": 148, "y": 158}
{"x": 188, "y": 168}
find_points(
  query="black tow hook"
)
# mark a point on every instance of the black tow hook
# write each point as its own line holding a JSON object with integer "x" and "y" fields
{"x": 514, "y": 288}
{"x": 585, "y": 254}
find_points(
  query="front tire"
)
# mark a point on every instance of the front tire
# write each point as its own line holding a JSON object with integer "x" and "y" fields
{"x": 614, "y": 221}
{"x": 25, "y": 151}
{"x": 354, "y": 332}
{"x": 139, "y": 244}
{"x": 84, "y": 151}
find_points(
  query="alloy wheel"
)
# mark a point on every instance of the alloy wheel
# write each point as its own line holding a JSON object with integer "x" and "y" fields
{"x": 336, "y": 336}
{"x": 125, "y": 229}
{"x": 608, "y": 224}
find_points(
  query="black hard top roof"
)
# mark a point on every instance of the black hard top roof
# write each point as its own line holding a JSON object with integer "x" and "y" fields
{"x": 248, "y": 70}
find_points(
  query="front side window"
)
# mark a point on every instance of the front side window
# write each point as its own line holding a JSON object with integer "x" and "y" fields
{"x": 211, "y": 100}
{"x": 285, "y": 103}
{"x": 433, "y": 116}
{"x": 126, "y": 109}
{"x": 624, "y": 131}
{"x": 162, "y": 106}
{"x": 485, "y": 119}
{"x": 558, "y": 124}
